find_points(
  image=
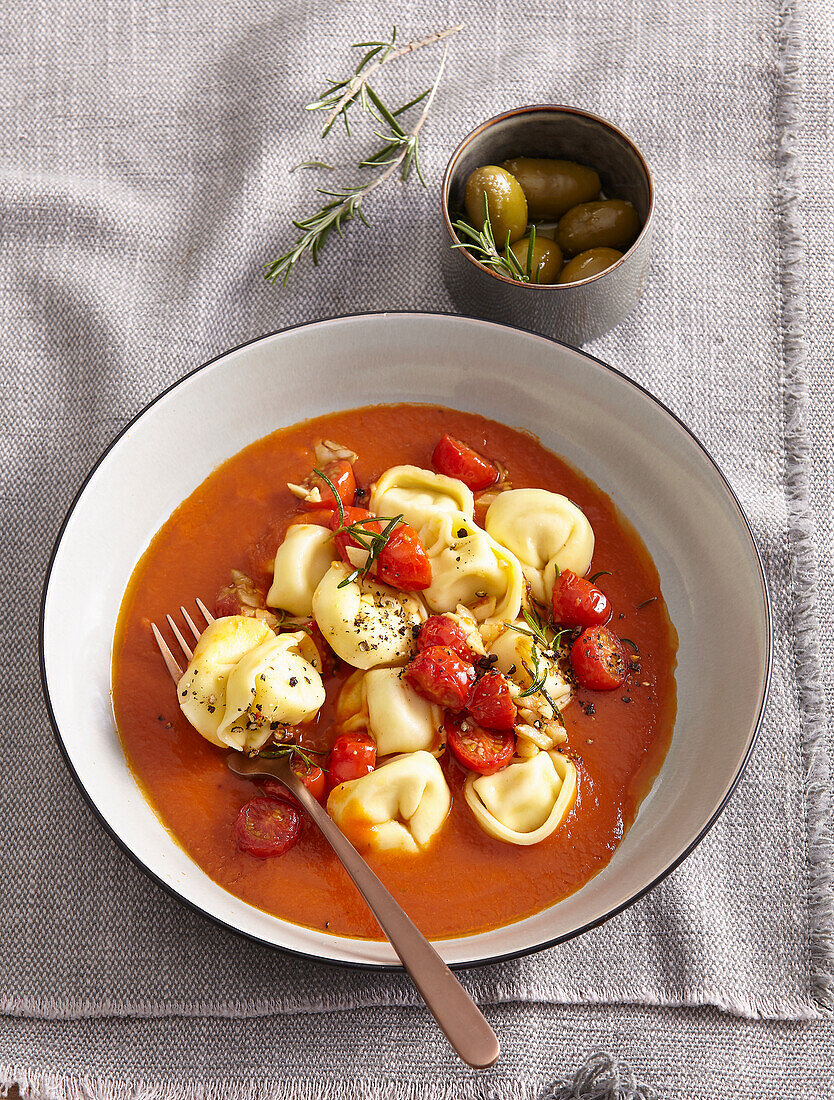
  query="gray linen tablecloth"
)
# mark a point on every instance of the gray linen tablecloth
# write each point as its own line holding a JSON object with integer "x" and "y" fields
{"x": 145, "y": 179}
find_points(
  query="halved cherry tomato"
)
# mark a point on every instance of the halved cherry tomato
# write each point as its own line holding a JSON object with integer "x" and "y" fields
{"x": 480, "y": 750}
{"x": 455, "y": 459}
{"x": 352, "y": 756}
{"x": 441, "y": 630}
{"x": 320, "y": 516}
{"x": 266, "y": 827}
{"x": 403, "y": 561}
{"x": 343, "y": 539}
{"x": 577, "y": 602}
{"x": 491, "y": 704}
{"x": 312, "y": 777}
{"x": 598, "y": 659}
{"x": 340, "y": 472}
{"x": 441, "y": 676}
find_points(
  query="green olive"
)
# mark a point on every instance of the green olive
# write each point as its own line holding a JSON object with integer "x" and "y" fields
{"x": 588, "y": 263}
{"x": 546, "y": 261}
{"x": 610, "y": 224}
{"x": 552, "y": 187}
{"x": 506, "y": 201}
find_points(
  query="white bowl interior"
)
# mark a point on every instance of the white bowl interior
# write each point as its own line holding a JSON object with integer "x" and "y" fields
{"x": 628, "y": 444}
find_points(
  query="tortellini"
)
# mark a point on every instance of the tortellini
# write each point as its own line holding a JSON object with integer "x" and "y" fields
{"x": 521, "y": 662}
{"x": 244, "y": 682}
{"x": 381, "y": 703}
{"x": 545, "y": 531}
{"x": 469, "y": 567}
{"x": 366, "y": 623}
{"x": 303, "y": 558}
{"x": 419, "y": 494}
{"x": 527, "y": 801}
{"x": 399, "y": 806}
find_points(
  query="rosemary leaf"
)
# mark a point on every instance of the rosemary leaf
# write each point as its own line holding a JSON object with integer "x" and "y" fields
{"x": 399, "y": 153}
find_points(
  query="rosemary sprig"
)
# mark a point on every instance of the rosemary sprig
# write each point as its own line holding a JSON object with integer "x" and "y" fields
{"x": 538, "y": 678}
{"x": 337, "y": 99}
{"x": 275, "y": 752}
{"x": 400, "y": 153}
{"x": 542, "y": 647}
{"x": 483, "y": 247}
{"x": 373, "y": 542}
{"x": 538, "y": 631}
{"x": 537, "y": 674}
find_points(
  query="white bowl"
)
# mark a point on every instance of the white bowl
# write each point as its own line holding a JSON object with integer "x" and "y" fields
{"x": 616, "y": 433}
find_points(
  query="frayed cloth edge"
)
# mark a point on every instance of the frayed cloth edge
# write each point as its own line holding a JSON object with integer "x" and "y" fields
{"x": 750, "y": 1008}
{"x": 819, "y": 839}
{"x": 600, "y": 1077}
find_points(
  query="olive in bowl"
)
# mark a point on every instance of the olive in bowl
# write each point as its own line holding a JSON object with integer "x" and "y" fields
{"x": 540, "y": 257}
{"x": 559, "y": 153}
{"x": 552, "y": 187}
{"x": 588, "y": 263}
{"x": 493, "y": 190}
{"x": 612, "y": 223}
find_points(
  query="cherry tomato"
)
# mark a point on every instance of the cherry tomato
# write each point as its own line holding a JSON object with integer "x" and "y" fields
{"x": 441, "y": 676}
{"x": 341, "y": 474}
{"x": 455, "y": 459}
{"x": 403, "y": 561}
{"x": 598, "y": 659}
{"x": 577, "y": 602}
{"x": 320, "y": 516}
{"x": 266, "y": 827}
{"x": 441, "y": 630}
{"x": 312, "y": 777}
{"x": 343, "y": 539}
{"x": 352, "y": 756}
{"x": 480, "y": 750}
{"x": 491, "y": 704}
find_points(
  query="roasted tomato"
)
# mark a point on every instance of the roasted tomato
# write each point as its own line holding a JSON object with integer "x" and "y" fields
{"x": 343, "y": 540}
{"x": 441, "y": 676}
{"x": 598, "y": 659}
{"x": 441, "y": 630}
{"x": 491, "y": 704}
{"x": 455, "y": 459}
{"x": 341, "y": 474}
{"x": 403, "y": 561}
{"x": 479, "y": 750}
{"x": 266, "y": 827}
{"x": 310, "y": 775}
{"x": 352, "y": 756}
{"x": 577, "y": 602}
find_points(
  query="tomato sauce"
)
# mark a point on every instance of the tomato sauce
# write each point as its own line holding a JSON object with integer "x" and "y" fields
{"x": 466, "y": 881}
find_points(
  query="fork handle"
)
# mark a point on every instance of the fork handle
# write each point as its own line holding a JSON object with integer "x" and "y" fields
{"x": 457, "y": 1015}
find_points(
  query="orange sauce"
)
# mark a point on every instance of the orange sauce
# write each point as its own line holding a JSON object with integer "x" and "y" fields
{"x": 466, "y": 881}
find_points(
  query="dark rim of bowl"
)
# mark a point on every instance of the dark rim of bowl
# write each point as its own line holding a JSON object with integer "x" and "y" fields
{"x": 521, "y": 952}
{"x": 444, "y": 193}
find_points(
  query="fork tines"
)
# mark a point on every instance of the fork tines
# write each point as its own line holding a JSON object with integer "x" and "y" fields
{"x": 167, "y": 656}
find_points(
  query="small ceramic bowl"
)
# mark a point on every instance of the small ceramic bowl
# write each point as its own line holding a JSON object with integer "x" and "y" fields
{"x": 572, "y": 312}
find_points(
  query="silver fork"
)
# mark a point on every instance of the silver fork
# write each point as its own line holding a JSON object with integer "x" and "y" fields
{"x": 459, "y": 1018}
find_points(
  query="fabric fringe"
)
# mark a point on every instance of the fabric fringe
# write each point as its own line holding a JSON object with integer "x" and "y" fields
{"x": 600, "y": 1077}
{"x": 777, "y": 1007}
{"x": 819, "y": 838}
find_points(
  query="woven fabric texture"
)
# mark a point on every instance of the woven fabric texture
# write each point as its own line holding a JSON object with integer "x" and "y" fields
{"x": 396, "y": 1054}
{"x": 145, "y": 166}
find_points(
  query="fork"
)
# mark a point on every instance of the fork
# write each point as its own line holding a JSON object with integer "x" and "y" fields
{"x": 457, "y": 1015}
